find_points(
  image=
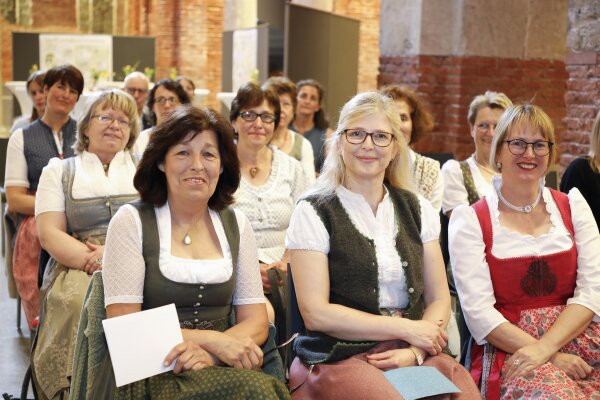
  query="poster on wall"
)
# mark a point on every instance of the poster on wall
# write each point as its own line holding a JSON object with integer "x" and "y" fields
{"x": 245, "y": 45}
{"x": 92, "y": 54}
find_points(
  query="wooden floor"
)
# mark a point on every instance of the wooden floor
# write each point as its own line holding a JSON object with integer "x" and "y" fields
{"x": 14, "y": 343}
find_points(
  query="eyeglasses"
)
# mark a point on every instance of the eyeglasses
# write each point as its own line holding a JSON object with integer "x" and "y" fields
{"x": 485, "y": 126}
{"x": 358, "y": 136}
{"x": 163, "y": 100}
{"x": 133, "y": 91}
{"x": 519, "y": 147}
{"x": 251, "y": 116}
{"x": 107, "y": 120}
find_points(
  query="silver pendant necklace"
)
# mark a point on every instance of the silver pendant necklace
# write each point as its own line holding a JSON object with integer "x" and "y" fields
{"x": 187, "y": 240}
{"x": 524, "y": 209}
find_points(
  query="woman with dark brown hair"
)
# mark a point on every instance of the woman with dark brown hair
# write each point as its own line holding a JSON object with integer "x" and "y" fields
{"x": 271, "y": 180}
{"x": 184, "y": 244}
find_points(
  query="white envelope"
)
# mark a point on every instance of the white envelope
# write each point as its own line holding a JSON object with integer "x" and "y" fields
{"x": 138, "y": 343}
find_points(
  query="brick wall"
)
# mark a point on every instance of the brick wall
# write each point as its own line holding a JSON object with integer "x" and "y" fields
{"x": 367, "y": 12}
{"x": 449, "y": 83}
{"x": 582, "y": 103}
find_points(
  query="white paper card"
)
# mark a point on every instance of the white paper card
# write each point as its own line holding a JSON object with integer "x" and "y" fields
{"x": 138, "y": 343}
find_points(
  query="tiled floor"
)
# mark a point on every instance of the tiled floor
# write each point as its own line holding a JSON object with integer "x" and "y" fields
{"x": 14, "y": 343}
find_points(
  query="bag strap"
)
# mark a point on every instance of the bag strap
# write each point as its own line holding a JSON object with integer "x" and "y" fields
{"x": 472, "y": 194}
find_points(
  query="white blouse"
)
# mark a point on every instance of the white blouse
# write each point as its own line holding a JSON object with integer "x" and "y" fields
{"x": 16, "y": 165}
{"x": 89, "y": 181}
{"x": 124, "y": 267}
{"x": 471, "y": 271}
{"x": 307, "y": 232}
{"x": 455, "y": 192}
{"x": 270, "y": 205}
{"x": 141, "y": 143}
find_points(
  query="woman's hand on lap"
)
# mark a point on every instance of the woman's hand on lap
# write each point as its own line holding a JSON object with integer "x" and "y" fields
{"x": 95, "y": 253}
{"x": 428, "y": 336}
{"x": 239, "y": 353}
{"x": 572, "y": 365}
{"x": 526, "y": 359}
{"x": 189, "y": 356}
{"x": 392, "y": 359}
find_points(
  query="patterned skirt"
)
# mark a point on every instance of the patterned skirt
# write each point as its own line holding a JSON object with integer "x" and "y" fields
{"x": 208, "y": 383}
{"x": 547, "y": 381}
{"x": 26, "y": 256}
{"x": 52, "y": 354}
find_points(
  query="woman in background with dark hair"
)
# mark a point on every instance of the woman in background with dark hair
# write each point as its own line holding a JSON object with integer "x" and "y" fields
{"x": 164, "y": 97}
{"x": 417, "y": 123}
{"x": 183, "y": 244}
{"x": 584, "y": 173}
{"x": 29, "y": 150}
{"x": 271, "y": 180}
{"x": 310, "y": 119}
{"x": 35, "y": 90}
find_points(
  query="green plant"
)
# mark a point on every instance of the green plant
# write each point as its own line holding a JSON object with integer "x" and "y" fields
{"x": 127, "y": 69}
{"x": 149, "y": 72}
{"x": 34, "y": 68}
{"x": 173, "y": 73}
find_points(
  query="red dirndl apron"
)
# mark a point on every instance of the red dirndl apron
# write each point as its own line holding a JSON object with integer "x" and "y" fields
{"x": 522, "y": 283}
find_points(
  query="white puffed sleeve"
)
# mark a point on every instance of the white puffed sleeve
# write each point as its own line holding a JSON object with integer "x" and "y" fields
{"x": 430, "y": 221}
{"x": 455, "y": 192}
{"x": 50, "y": 195}
{"x": 587, "y": 239}
{"x": 471, "y": 273}
{"x": 306, "y": 230}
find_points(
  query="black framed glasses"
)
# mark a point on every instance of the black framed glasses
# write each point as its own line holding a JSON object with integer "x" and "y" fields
{"x": 163, "y": 100}
{"x": 251, "y": 116}
{"x": 104, "y": 119}
{"x": 519, "y": 147}
{"x": 358, "y": 136}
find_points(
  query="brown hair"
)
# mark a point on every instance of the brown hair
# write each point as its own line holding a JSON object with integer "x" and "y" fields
{"x": 320, "y": 118}
{"x": 251, "y": 95}
{"x": 282, "y": 85}
{"x": 188, "y": 120}
{"x": 422, "y": 120}
{"x": 65, "y": 73}
{"x": 37, "y": 77}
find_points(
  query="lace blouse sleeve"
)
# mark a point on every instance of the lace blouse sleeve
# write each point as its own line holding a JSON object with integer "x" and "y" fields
{"x": 123, "y": 268}
{"x": 248, "y": 284}
{"x": 430, "y": 221}
{"x": 455, "y": 193}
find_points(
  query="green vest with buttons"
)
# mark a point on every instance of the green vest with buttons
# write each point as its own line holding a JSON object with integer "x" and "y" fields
{"x": 199, "y": 305}
{"x": 353, "y": 271}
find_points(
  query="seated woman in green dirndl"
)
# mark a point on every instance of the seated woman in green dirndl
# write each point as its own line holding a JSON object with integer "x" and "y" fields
{"x": 183, "y": 244}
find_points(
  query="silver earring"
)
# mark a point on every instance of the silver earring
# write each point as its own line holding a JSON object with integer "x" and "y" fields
{"x": 499, "y": 165}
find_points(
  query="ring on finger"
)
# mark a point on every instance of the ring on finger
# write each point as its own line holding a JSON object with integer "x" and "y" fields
{"x": 98, "y": 261}
{"x": 516, "y": 362}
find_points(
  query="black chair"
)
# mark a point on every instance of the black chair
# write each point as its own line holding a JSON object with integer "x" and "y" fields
{"x": 294, "y": 323}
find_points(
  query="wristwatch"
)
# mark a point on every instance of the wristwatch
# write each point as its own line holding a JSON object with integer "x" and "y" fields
{"x": 418, "y": 356}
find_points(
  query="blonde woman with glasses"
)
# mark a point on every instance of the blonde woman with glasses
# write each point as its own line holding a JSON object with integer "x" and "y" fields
{"x": 526, "y": 261}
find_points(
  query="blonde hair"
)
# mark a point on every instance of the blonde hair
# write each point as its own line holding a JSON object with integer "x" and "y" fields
{"x": 488, "y": 99}
{"x": 398, "y": 174}
{"x": 112, "y": 98}
{"x": 515, "y": 117}
{"x": 595, "y": 145}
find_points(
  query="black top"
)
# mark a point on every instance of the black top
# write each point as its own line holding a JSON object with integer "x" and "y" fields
{"x": 579, "y": 174}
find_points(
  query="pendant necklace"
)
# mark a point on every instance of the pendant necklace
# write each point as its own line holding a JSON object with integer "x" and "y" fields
{"x": 526, "y": 208}
{"x": 187, "y": 240}
{"x": 253, "y": 171}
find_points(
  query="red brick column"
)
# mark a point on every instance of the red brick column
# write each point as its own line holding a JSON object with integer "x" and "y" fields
{"x": 449, "y": 83}
{"x": 582, "y": 103}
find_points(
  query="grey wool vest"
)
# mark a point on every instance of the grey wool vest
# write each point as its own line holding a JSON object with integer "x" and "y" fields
{"x": 39, "y": 147}
{"x": 199, "y": 305}
{"x": 353, "y": 271}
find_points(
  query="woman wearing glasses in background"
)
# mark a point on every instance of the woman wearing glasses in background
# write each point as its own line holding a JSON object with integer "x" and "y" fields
{"x": 466, "y": 181}
{"x": 367, "y": 266}
{"x": 526, "y": 261}
{"x": 271, "y": 181}
{"x": 75, "y": 201}
{"x": 163, "y": 99}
